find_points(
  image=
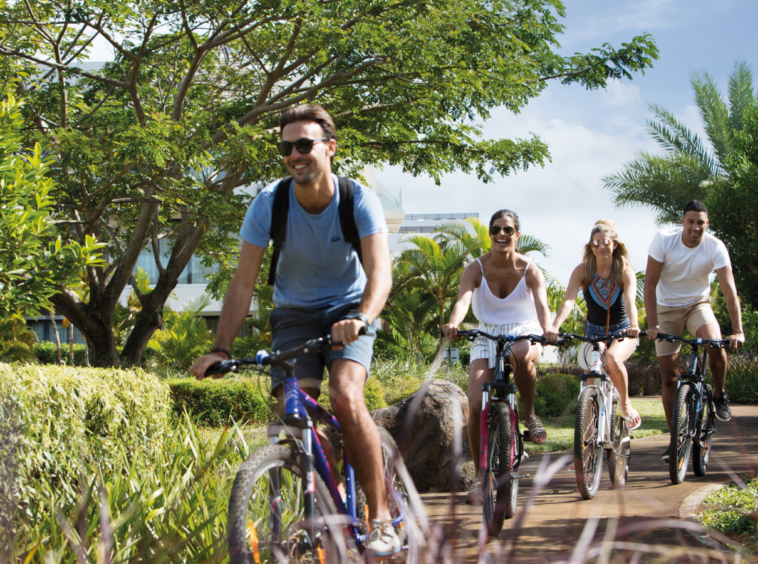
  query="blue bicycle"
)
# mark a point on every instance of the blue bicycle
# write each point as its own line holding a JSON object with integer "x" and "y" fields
{"x": 285, "y": 505}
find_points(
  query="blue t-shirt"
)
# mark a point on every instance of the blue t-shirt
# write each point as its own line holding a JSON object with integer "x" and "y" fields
{"x": 316, "y": 266}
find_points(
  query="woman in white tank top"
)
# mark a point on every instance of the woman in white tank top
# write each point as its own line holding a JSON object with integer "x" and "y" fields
{"x": 509, "y": 297}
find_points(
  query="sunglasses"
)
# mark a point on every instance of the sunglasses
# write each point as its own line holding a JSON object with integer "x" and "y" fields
{"x": 604, "y": 242}
{"x": 304, "y": 145}
{"x": 496, "y": 229}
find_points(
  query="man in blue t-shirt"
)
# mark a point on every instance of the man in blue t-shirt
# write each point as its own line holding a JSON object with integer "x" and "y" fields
{"x": 320, "y": 286}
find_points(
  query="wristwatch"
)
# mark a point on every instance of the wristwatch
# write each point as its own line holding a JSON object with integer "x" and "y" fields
{"x": 360, "y": 316}
{"x": 222, "y": 350}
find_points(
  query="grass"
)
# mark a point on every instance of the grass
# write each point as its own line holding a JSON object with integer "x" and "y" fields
{"x": 733, "y": 512}
{"x": 560, "y": 430}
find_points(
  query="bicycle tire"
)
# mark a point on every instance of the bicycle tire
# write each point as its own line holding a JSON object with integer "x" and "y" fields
{"x": 680, "y": 444}
{"x": 247, "y": 533}
{"x": 702, "y": 447}
{"x": 618, "y": 456}
{"x": 509, "y": 490}
{"x": 588, "y": 456}
{"x": 499, "y": 489}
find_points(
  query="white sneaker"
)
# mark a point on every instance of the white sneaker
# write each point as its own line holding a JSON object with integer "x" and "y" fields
{"x": 383, "y": 540}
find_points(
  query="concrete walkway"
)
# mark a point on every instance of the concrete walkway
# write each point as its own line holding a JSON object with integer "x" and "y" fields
{"x": 645, "y": 511}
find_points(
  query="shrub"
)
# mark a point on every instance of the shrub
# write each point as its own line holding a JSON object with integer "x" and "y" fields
{"x": 215, "y": 403}
{"x": 47, "y": 353}
{"x": 56, "y": 420}
{"x": 556, "y": 395}
{"x": 742, "y": 378}
{"x": 16, "y": 341}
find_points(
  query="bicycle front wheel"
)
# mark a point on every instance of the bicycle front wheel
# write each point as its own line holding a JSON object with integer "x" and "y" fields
{"x": 588, "y": 455}
{"x": 266, "y": 520}
{"x": 498, "y": 498}
{"x": 618, "y": 457}
{"x": 681, "y": 441}
{"x": 702, "y": 448}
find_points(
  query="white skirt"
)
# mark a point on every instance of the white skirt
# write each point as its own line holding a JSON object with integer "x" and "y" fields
{"x": 483, "y": 347}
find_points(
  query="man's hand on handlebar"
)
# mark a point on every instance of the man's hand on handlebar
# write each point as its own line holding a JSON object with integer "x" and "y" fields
{"x": 652, "y": 333}
{"x": 347, "y": 331}
{"x": 450, "y": 331}
{"x": 736, "y": 341}
{"x": 204, "y": 362}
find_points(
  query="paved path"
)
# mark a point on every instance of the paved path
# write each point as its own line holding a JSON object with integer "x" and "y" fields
{"x": 553, "y": 524}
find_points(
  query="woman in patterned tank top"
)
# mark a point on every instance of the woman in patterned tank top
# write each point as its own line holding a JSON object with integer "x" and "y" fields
{"x": 609, "y": 286}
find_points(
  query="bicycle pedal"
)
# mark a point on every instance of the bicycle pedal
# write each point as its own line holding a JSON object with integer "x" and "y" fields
{"x": 519, "y": 476}
{"x": 525, "y": 436}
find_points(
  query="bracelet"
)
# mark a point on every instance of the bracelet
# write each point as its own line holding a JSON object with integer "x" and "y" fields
{"x": 222, "y": 350}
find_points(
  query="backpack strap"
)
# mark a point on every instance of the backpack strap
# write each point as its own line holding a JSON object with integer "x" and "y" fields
{"x": 347, "y": 215}
{"x": 278, "y": 233}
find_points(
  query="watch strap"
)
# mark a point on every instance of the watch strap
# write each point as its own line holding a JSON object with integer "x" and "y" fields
{"x": 222, "y": 350}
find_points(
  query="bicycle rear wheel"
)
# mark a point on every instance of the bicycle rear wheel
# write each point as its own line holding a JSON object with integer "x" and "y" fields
{"x": 499, "y": 499}
{"x": 681, "y": 441}
{"x": 588, "y": 456}
{"x": 702, "y": 447}
{"x": 266, "y": 522}
{"x": 618, "y": 457}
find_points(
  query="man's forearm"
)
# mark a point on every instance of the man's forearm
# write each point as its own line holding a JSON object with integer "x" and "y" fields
{"x": 735, "y": 313}
{"x": 233, "y": 313}
{"x": 375, "y": 296}
{"x": 651, "y": 306}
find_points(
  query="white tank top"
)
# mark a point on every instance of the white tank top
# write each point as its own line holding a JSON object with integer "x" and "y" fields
{"x": 516, "y": 307}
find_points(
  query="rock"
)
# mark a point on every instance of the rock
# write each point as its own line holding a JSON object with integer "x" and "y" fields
{"x": 423, "y": 426}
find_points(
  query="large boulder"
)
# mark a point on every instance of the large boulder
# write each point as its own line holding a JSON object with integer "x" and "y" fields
{"x": 423, "y": 426}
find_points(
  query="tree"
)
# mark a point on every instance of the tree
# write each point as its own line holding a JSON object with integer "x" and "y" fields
{"x": 690, "y": 166}
{"x": 34, "y": 260}
{"x": 153, "y": 145}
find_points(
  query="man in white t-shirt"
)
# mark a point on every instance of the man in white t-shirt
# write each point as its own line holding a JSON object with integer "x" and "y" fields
{"x": 677, "y": 297}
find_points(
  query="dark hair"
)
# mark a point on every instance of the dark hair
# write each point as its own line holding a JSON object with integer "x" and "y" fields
{"x": 306, "y": 112}
{"x": 696, "y": 206}
{"x": 505, "y": 213}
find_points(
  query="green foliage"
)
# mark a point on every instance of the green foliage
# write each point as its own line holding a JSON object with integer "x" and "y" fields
{"x": 186, "y": 336}
{"x": 187, "y": 112}
{"x": 47, "y": 353}
{"x": 16, "y": 341}
{"x": 35, "y": 260}
{"x": 219, "y": 403}
{"x": 556, "y": 395}
{"x": 742, "y": 378}
{"x": 63, "y": 419}
{"x": 732, "y": 510}
{"x": 171, "y": 508}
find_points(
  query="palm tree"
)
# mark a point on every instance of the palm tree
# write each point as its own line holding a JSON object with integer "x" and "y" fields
{"x": 689, "y": 166}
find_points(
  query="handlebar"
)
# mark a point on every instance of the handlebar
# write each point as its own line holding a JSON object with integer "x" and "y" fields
{"x": 472, "y": 334}
{"x": 620, "y": 335}
{"x": 717, "y": 343}
{"x": 276, "y": 358}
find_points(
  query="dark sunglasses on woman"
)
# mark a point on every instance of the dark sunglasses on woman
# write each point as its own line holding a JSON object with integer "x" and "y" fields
{"x": 495, "y": 230}
{"x": 304, "y": 145}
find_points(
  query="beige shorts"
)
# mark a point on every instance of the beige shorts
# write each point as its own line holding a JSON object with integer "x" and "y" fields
{"x": 674, "y": 321}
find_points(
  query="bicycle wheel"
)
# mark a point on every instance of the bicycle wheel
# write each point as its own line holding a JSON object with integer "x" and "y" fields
{"x": 618, "y": 457}
{"x": 266, "y": 520}
{"x": 681, "y": 441}
{"x": 588, "y": 456}
{"x": 702, "y": 447}
{"x": 499, "y": 489}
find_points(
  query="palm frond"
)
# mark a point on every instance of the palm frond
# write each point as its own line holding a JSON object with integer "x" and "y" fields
{"x": 715, "y": 115}
{"x": 530, "y": 244}
{"x": 741, "y": 95}
{"x": 675, "y": 137}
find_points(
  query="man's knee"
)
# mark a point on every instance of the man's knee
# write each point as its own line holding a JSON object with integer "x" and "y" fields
{"x": 347, "y": 403}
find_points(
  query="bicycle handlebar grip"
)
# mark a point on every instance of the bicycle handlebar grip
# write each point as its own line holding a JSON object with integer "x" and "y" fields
{"x": 220, "y": 367}
{"x": 642, "y": 334}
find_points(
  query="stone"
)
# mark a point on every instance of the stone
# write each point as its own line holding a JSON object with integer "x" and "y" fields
{"x": 424, "y": 429}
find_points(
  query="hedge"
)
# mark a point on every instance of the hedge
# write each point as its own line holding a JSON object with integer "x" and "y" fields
{"x": 214, "y": 403}
{"x": 47, "y": 353}
{"x": 59, "y": 422}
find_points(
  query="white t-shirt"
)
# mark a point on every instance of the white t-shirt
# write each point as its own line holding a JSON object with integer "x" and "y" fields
{"x": 684, "y": 277}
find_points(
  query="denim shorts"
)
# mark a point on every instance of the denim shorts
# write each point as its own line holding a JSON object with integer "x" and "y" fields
{"x": 594, "y": 331}
{"x": 291, "y": 326}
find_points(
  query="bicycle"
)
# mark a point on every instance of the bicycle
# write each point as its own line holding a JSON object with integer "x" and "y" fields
{"x": 501, "y": 442}
{"x": 594, "y": 430}
{"x": 285, "y": 505}
{"x": 694, "y": 417}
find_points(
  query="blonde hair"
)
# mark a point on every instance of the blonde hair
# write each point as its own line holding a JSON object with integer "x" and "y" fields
{"x": 620, "y": 254}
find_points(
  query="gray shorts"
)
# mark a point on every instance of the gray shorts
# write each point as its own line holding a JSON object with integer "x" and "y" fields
{"x": 291, "y": 326}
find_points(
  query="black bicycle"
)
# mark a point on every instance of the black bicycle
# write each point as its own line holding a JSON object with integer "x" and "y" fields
{"x": 501, "y": 443}
{"x": 693, "y": 422}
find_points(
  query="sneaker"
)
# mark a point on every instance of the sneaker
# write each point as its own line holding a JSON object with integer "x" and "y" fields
{"x": 723, "y": 413}
{"x": 383, "y": 540}
{"x": 666, "y": 455}
{"x": 475, "y": 496}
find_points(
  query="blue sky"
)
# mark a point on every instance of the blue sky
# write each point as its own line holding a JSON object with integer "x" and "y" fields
{"x": 593, "y": 133}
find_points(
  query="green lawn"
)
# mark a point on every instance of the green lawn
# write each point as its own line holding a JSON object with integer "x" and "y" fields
{"x": 560, "y": 430}
{"x": 731, "y": 510}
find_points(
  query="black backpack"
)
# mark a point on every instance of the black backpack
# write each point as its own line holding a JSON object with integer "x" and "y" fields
{"x": 280, "y": 211}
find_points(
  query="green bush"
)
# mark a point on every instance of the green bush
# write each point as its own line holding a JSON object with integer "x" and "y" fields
{"x": 214, "y": 403}
{"x": 742, "y": 378}
{"x": 47, "y": 353}
{"x": 57, "y": 420}
{"x": 556, "y": 395}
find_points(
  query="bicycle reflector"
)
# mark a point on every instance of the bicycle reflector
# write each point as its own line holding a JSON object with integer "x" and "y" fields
{"x": 253, "y": 541}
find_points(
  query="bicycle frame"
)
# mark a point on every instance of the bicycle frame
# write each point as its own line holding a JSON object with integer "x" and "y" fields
{"x": 606, "y": 404}
{"x": 695, "y": 376}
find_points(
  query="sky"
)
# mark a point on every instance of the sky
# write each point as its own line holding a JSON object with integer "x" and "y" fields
{"x": 593, "y": 133}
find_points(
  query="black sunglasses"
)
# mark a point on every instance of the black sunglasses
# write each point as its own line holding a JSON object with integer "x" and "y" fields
{"x": 495, "y": 230}
{"x": 304, "y": 145}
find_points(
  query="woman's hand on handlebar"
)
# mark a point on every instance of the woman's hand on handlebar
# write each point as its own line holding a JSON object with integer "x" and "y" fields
{"x": 632, "y": 332}
{"x": 450, "y": 331}
{"x": 552, "y": 334}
